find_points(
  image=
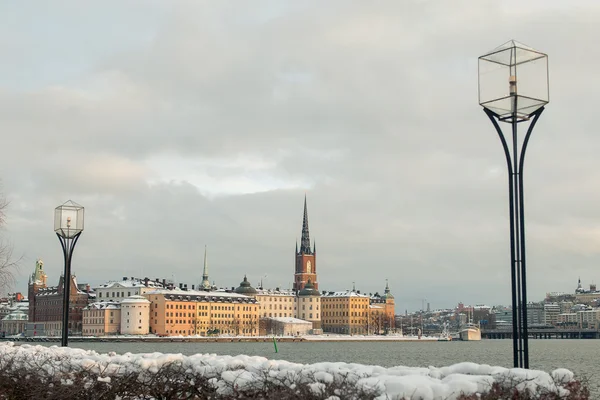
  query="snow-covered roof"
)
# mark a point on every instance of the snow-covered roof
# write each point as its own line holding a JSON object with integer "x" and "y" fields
{"x": 130, "y": 283}
{"x": 17, "y": 315}
{"x": 135, "y": 299}
{"x": 195, "y": 295}
{"x": 274, "y": 292}
{"x": 289, "y": 320}
{"x": 345, "y": 293}
{"x": 101, "y": 305}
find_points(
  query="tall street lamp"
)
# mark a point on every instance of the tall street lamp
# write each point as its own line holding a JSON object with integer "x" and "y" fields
{"x": 68, "y": 225}
{"x": 513, "y": 88}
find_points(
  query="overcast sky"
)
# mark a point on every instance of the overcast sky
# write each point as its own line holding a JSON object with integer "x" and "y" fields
{"x": 184, "y": 123}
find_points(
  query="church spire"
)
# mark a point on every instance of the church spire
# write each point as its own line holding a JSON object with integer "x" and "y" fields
{"x": 305, "y": 242}
{"x": 205, "y": 282}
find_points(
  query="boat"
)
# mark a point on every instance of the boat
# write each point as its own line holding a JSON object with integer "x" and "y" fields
{"x": 470, "y": 332}
{"x": 445, "y": 336}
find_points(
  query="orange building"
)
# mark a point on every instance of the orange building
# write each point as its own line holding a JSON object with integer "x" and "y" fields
{"x": 184, "y": 313}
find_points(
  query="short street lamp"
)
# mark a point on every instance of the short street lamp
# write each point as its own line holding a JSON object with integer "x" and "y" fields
{"x": 513, "y": 88}
{"x": 68, "y": 225}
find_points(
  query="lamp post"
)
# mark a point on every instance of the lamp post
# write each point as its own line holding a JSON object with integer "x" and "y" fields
{"x": 513, "y": 88}
{"x": 68, "y": 225}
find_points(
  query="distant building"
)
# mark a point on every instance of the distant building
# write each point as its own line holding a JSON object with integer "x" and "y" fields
{"x": 382, "y": 312}
{"x": 285, "y": 326}
{"x": 583, "y": 296}
{"x": 102, "y": 318}
{"x": 484, "y": 316}
{"x": 346, "y": 312}
{"x": 567, "y": 319}
{"x": 535, "y": 314}
{"x": 589, "y": 319}
{"x": 46, "y": 304}
{"x": 14, "y": 323}
{"x": 551, "y": 312}
{"x": 120, "y": 290}
{"x": 189, "y": 312}
{"x": 276, "y": 303}
{"x": 135, "y": 315}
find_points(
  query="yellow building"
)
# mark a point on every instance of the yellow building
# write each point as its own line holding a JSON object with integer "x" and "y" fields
{"x": 184, "y": 313}
{"x": 345, "y": 312}
{"x": 351, "y": 312}
{"x": 101, "y": 318}
{"x": 276, "y": 303}
{"x": 383, "y": 310}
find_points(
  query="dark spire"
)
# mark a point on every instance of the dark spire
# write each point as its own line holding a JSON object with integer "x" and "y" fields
{"x": 314, "y": 246}
{"x": 296, "y": 245}
{"x": 305, "y": 241}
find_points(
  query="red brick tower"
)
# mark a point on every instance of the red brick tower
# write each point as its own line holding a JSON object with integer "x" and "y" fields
{"x": 306, "y": 258}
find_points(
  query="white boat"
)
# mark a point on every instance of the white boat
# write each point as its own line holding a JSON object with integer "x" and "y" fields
{"x": 470, "y": 332}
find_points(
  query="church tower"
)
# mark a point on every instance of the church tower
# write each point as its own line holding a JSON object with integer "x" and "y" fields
{"x": 306, "y": 263}
{"x": 205, "y": 284}
{"x": 37, "y": 281}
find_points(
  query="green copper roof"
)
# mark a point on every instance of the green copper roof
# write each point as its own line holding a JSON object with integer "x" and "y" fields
{"x": 309, "y": 290}
{"x": 245, "y": 287}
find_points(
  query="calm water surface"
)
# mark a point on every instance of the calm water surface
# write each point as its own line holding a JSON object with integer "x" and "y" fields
{"x": 580, "y": 356}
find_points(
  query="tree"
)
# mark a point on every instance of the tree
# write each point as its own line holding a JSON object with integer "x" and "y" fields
{"x": 8, "y": 265}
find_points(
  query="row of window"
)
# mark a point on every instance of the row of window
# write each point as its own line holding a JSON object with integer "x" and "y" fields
{"x": 344, "y": 314}
{"x": 114, "y": 294}
{"x": 206, "y": 307}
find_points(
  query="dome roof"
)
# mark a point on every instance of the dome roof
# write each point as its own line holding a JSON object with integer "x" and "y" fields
{"x": 135, "y": 299}
{"x": 309, "y": 290}
{"x": 386, "y": 293}
{"x": 245, "y": 288}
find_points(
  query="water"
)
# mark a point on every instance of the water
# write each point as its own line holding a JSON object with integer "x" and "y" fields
{"x": 579, "y": 356}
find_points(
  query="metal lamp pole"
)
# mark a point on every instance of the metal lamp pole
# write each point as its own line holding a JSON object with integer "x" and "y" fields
{"x": 504, "y": 103}
{"x": 68, "y": 225}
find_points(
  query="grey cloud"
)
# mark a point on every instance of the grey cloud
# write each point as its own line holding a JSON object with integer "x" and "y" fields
{"x": 372, "y": 107}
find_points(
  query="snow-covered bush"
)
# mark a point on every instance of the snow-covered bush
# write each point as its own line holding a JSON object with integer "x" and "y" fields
{"x": 28, "y": 372}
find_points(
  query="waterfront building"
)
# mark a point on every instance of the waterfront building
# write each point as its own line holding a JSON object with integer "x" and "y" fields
{"x": 551, "y": 312}
{"x": 275, "y": 303}
{"x": 484, "y": 317}
{"x": 535, "y": 314}
{"x": 309, "y": 306}
{"x": 37, "y": 280}
{"x": 589, "y": 319}
{"x": 567, "y": 319}
{"x": 503, "y": 318}
{"x": 46, "y": 305}
{"x": 285, "y": 326}
{"x": 101, "y": 318}
{"x": 119, "y": 290}
{"x": 14, "y": 322}
{"x": 180, "y": 312}
{"x": 383, "y": 309}
{"x": 135, "y": 315}
{"x": 345, "y": 312}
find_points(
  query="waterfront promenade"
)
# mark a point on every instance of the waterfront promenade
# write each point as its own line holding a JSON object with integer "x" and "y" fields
{"x": 544, "y": 333}
{"x": 226, "y": 339}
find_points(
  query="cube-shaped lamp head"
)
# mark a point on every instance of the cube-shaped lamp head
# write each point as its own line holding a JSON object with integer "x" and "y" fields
{"x": 513, "y": 81}
{"x": 68, "y": 219}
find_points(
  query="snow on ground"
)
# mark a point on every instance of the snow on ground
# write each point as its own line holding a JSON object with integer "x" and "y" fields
{"x": 396, "y": 382}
